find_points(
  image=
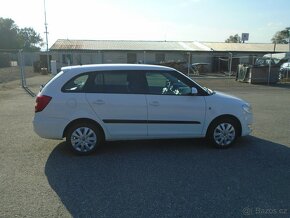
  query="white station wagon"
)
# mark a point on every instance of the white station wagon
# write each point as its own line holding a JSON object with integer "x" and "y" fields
{"x": 92, "y": 103}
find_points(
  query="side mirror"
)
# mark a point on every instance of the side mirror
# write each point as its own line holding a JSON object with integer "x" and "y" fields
{"x": 194, "y": 91}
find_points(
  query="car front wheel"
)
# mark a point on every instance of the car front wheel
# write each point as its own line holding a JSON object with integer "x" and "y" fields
{"x": 83, "y": 138}
{"x": 223, "y": 133}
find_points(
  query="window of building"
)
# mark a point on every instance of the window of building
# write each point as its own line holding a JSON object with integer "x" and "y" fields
{"x": 67, "y": 59}
{"x": 159, "y": 57}
{"x": 131, "y": 58}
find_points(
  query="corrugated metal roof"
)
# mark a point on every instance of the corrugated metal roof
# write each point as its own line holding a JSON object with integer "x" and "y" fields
{"x": 66, "y": 44}
{"x": 246, "y": 47}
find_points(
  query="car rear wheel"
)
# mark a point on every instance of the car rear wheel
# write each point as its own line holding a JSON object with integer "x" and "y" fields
{"x": 83, "y": 138}
{"x": 223, "y": 133}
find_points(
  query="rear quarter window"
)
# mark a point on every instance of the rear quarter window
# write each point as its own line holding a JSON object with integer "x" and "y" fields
{"x": 76, "y": 84}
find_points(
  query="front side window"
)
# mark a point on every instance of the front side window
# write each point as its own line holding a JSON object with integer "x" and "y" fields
{"x": 165, "y": 83}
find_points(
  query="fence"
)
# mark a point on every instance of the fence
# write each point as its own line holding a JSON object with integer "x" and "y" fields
{"x": 9, "y": 67}
{"x": 190, "y": 63}
{"x": 222, "y": 67}
{"x": 18, "y": 65}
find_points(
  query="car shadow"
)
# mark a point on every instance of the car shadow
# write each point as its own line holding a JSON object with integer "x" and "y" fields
{"x": 172, "y": 178}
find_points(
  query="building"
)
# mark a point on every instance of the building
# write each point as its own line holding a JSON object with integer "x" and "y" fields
{"x": 215, "y": 56}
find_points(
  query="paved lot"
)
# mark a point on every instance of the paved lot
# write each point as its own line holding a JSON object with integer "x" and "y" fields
{"x": 167, "y": 178}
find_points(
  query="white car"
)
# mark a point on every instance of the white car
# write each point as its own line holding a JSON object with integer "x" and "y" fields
{"x": 284, "y": 71}
{"x": 92, "y": 103}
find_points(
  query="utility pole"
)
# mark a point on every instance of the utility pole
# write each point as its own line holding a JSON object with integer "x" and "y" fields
{"x": 46, "y": 35}
{"x": 288, "y": 28}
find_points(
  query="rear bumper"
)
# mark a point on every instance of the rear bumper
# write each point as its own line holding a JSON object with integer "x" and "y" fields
{"x": 49, "y": 128}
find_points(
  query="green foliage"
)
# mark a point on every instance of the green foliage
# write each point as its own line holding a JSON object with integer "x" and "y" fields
{"x": 29, "y": 39}
{"x": 234, "y": 39}
{"x": 8, "y": 34}
{"x": 11, "y": 37}
{"x": 281, "y": 37}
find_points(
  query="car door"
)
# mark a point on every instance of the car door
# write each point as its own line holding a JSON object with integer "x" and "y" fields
{"x": 172, "y": 110}
{"x": 122, "y": 110}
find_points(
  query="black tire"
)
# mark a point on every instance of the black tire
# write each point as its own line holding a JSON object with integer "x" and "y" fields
{"x": 223, "y": 133}
{"x": 84, "y": 138}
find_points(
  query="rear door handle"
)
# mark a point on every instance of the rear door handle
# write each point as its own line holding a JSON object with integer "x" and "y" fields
{"x": 99, "y": 102}
{"x": 154, "y": 103}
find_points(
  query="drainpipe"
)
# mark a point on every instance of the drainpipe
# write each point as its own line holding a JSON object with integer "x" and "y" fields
{"x": 230, "y": 63}
{"x": 144, "y": 57}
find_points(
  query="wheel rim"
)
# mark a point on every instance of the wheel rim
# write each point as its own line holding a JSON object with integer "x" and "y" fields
{"x": 224, "y": 134}
{"x": 83, "y": 139}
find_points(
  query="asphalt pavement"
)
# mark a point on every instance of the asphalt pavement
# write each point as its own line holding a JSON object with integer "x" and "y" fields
{"x": 159, "y": 178}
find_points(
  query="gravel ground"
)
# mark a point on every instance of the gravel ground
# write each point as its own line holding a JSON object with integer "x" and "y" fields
{"x": 160, "y": 178}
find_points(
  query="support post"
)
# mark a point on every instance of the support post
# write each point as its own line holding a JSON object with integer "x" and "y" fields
{"x": 269, "y": 73}
{"x": 22, "y": 72}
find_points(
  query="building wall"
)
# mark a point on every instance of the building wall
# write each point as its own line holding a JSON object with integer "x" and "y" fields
{"x": 212, "y": 59}
{"x": 114, "y": 57}
{"x": 64, "y": 58}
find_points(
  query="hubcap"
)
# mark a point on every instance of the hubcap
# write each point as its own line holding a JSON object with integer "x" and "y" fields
{"x": 224, "y": 134}
{"x": 83, "y": 139}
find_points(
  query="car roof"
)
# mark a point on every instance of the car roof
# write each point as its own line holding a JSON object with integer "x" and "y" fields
{"x": 108, "y": 67}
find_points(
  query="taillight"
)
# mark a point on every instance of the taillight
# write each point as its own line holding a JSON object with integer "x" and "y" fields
{"x": 41, "y": 102}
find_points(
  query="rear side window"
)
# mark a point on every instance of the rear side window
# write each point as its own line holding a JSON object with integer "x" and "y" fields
{"x": 119, "y": 82}
{"x": 115, "y": 82}
{"x": 108, "y": 82}
{"x": 76, "y": 84}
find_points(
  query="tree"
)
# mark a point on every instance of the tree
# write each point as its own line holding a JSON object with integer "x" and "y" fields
{"x": 281, "y": 37}
{"x": 29, "y": 39}
{"x": 234, "y": 39}
{"x": 8, "y": 34}
{"x": 11, "y": 37}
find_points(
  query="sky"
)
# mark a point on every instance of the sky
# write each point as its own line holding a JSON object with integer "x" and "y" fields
{"x": 170, "y": 20}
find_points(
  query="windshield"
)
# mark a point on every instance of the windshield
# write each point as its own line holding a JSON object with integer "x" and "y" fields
{"x": 266, "y": 61}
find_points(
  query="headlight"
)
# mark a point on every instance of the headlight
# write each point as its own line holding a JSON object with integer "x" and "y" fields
{"x": 247, "y": 108}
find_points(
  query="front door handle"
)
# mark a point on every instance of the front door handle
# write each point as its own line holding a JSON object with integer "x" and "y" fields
{"x": 154, "y": 103}
{"x": 99, "y": 102}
